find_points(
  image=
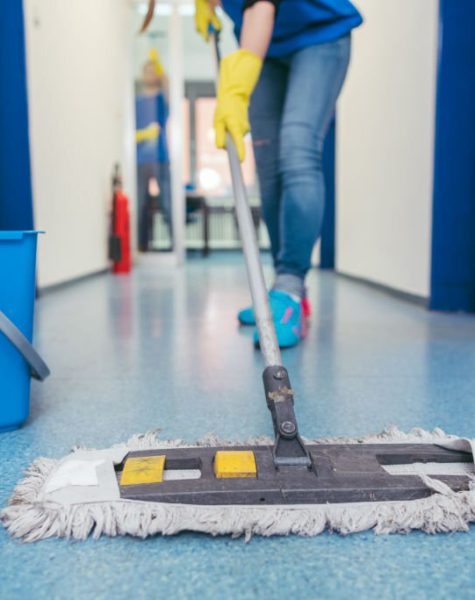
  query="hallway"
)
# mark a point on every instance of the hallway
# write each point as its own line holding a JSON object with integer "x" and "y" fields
{"x": 162, "y": 349}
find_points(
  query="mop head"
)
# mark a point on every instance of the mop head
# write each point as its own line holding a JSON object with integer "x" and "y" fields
{"x": 78, "y": 496}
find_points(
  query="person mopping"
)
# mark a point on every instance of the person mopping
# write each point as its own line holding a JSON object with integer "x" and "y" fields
{"x": 153, "y": 163}
{"x": 290, "y": 68}
{"x": 285, "y": 79}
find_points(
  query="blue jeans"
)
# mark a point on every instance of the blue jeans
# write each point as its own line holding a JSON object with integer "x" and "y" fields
{"x": 161, "y": 172}
{"x": 291, "y": 109}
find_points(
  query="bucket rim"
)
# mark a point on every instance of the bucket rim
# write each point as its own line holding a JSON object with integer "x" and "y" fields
{"x": 13, "y": 234}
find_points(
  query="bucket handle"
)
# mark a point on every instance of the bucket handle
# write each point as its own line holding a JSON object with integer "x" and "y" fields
{"x": 39, "y": 369}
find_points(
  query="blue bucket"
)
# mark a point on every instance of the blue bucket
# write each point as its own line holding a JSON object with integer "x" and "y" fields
{"x": 18, "y": 359}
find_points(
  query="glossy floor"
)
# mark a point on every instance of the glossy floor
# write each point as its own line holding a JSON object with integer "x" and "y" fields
{"x": 162, "y": 349}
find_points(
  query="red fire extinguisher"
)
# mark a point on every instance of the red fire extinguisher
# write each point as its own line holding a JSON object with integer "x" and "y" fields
{"x": 119, "y": 237}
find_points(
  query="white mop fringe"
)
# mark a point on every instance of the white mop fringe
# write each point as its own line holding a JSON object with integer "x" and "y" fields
{"x": 30, "y": 519}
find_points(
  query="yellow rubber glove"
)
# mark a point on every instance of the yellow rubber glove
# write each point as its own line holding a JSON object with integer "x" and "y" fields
{"x": 238, "y": 75}
{"x": 154, "y": 57}
{"x": 205, "y": 16}
{"x": 148, "y": 134}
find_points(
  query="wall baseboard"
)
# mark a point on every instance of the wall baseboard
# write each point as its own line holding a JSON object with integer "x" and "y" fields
{"x": 47, "y": 289}
{"x": 388, "y": 290}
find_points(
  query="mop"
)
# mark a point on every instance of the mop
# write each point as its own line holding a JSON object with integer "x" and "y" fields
{"x": 389, "y": 482}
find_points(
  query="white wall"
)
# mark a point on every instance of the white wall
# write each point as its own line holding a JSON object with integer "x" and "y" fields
{"x": 81, "y": 122}
{"x": 385, "y": 146}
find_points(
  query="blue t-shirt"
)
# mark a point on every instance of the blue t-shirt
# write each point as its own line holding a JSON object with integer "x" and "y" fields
{"x": 148, "y": 110}
{"x": 302, "y": 23}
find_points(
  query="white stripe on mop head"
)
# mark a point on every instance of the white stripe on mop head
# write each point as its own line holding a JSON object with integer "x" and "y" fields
{"x": 431, "y": 469}
{"x": 181, "y": 474}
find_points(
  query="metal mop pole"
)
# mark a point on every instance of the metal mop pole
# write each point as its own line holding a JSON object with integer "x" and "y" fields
{"x": 289, "y": 449}
{"x": 265, "y": 324}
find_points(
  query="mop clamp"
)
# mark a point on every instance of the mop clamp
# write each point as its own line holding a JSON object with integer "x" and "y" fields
{"x": 289, "y": 450}
{"x": 280, "y": 401}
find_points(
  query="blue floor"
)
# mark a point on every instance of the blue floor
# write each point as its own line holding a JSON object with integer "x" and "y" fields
{"x": 162, "y": 349}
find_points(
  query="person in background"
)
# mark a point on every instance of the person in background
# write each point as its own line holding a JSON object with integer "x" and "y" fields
{"x": 287, "y": 74}
{"x": 153, "y": 165}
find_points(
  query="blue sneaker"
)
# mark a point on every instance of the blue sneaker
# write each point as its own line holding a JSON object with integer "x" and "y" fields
{"x": 288, "y": 319}
{"x": 246, "y": 316}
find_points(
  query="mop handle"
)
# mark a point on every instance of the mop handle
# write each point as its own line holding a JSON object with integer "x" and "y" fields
{"x": 265, "y": 323}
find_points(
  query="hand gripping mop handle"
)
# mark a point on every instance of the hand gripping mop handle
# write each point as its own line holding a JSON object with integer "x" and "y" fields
{"x": 289, "y": 449}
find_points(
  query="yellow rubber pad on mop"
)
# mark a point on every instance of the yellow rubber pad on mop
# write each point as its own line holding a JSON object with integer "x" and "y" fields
{"x": 232, "y": 463}
{"x": 143, "y": 469}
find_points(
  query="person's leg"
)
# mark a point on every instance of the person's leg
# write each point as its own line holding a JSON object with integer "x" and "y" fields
{"x": 315, "y": 80}
{"x": 265, "y": 114}
{"x": 144, "y": 172}
{"x": 164, "y": 182}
